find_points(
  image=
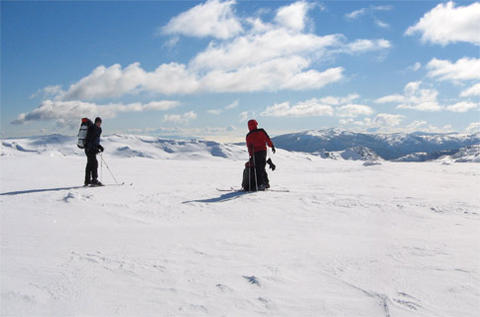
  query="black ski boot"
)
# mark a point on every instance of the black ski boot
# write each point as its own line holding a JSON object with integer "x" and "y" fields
{"x": 95, "y": 182}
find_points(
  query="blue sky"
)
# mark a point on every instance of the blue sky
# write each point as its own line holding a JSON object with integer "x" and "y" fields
{"x": 202, "y": 69}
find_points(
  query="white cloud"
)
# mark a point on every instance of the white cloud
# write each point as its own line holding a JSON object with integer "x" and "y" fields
{"x": 215, "y": 111}
{"x": 389, "y": 120}
{"x": 180, "y": 118}
{"x": 277, "y": 74}
{"x": 463, "y": 69}
{"x": 233, "y": 105}
{"x": 382, "y": 8}
{"x": 330, "y": 100}
{"x": 391, "y": 99}
{"x": 293, "y": 16}
{"x": 354, "y": 110}
{"x": 361, "y": 46}
{"x": 253, "y": 49}
{"x": 106, "y": 82}
{"x": 414, "y": 98}
{"x": 415, "y": 67}
{"x": 320, "y": 107}
{"x": 382, "y": 121}
{"x": 473, "y": 127}
{"x": 306, "y": 108}
{"x": 49, "y": 91}
{"x": 371, "y": 12}
{"x": 356, "y": 14}
{"x": 212, "y": 18}
{"x": 462, "y": 106}
{"x": 246, "y": 115}
{"x": 71, "y": 111}
{"x": 447, "y": 24}
{"x": 472, "y": 91}
{"x": 279, "y": 55}
{"x": 382, "y": 24}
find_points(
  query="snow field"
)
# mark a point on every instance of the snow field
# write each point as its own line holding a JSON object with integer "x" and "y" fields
{"x": 397, "y": 239}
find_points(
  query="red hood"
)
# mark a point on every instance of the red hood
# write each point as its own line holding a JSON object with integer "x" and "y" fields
{"x": 252, "y": 125}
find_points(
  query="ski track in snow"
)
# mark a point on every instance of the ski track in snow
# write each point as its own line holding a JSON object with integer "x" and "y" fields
{"x": 398, "y": 239}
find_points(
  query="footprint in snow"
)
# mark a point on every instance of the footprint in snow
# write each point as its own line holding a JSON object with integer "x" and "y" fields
{"x": 69, "y": 196}
{"x": 252, "y": 279}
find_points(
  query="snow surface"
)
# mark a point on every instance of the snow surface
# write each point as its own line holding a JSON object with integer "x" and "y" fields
{"x": 396, "y": 239}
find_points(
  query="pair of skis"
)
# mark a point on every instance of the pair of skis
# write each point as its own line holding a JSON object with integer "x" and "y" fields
{"x": 231, "y": 189}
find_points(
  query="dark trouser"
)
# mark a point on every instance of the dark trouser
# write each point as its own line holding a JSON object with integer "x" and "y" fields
{"x": 260, "y": 162}
{"x": 91, "y": 172}
{"x": 248, "y": 182}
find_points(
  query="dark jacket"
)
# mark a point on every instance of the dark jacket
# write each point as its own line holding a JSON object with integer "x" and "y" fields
{"x": 93, "y": 138}
{"x": 258, "y": 140}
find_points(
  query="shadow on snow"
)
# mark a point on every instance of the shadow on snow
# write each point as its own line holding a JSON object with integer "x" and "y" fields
{"x": 29, "y": 191}
{"x": 223, "y": 197}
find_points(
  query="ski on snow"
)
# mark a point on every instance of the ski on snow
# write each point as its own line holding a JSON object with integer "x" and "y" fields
{"x": 231, "y": 189}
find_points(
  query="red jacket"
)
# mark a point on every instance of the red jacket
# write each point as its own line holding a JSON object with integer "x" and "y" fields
{"x": 258, "y": 140}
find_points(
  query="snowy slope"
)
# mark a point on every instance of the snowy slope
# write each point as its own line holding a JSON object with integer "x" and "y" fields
{"x": 397, "y": 239}
{"x": 126, "y": 146}
{"x": 466, "y": 154}
{"x": 387, "y": 146}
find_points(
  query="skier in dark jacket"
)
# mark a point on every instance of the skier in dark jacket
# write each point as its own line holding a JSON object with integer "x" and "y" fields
{"x": 257, "y": 141}
{"x": 92, "y": 148}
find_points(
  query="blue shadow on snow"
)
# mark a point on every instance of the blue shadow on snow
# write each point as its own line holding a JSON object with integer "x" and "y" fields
{"x": 223, "y": 197}
{"x": 29, "y": 191}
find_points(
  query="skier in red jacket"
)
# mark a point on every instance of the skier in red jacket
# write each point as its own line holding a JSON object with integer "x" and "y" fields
{"x": 257, "y": 141}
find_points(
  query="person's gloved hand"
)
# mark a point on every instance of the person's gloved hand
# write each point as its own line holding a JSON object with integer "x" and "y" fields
{"x": 100, "y": 148}
{"x": 271, "y": 165}
{"x": 273, "y": 149}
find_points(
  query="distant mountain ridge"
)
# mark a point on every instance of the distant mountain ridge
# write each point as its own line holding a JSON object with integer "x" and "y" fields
{"x": 329, "y": 144}
{"x": 387, "y": 146}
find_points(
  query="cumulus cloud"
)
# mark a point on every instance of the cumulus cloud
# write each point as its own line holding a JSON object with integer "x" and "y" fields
{"x": 265, "y": 56}
{"x": 71, "y": 111}
{"x": 49, "y": 91}
{"x": 306, "y": 108}
{"x": 462, "y": 106}
{"x": 414, "y": 98}
{"x": 327, "y": 106}
{"x": 180, "y": 118}
{"x": 335, "y": 101}
{"x": 293, "y": 16}
{"x": 212, "y": 18}
{"x": 463, "y": 69}
{"x": 472, "y": 91}
{"x": 387, "y": 119}
{"x": 447, "y": 24}
{"x": 354, "y": 110}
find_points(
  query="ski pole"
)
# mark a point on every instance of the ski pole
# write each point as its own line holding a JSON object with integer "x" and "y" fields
{"x": 249, "y": 176}
{"x": 255, "y": 168}
{"x": 108, "y": 168}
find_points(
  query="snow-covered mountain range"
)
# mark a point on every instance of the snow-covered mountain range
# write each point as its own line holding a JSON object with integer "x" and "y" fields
{"x": 416, "y": 146}
{"x": 329, "y": 144}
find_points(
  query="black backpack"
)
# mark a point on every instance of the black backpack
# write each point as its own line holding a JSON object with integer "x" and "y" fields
{"x": 83, "y": 132}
